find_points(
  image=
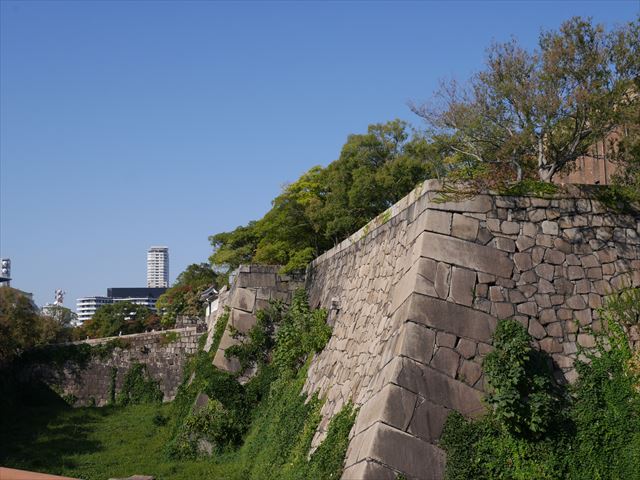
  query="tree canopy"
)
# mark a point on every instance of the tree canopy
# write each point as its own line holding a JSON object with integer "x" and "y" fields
{"x": 183, "y": 298}
{"x": 526, "y": 116}
{"x": 325, "y": 205}
{"x": 532, "y": 114}
{"x": 122, "y": 317}
{"x": 21, "y": 325}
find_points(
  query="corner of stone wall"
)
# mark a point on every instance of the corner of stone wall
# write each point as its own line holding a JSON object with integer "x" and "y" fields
{"x": 251, "y": 290}
{"x": 420, "y": 293}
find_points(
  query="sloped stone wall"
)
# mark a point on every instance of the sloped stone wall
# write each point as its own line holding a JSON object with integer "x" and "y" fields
{"x": 252, "y": 287}
{"x": 164, "y": 354}
{"x": 416, "y": 294}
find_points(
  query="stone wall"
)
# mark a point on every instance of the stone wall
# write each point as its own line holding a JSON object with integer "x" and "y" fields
{"x": 252, "y": 287}
{"x": 164, "y": 354}
{"x": 416, "y": 294}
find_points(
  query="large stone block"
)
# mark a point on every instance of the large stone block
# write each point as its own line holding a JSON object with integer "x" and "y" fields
{"x": 392, "y": 405}
{"x": 242, "y": 321}
{"x": 243, "y": 299}
{"x": 416, "y": 342}
{"x": 463, "y": 282}
{"x": 464, "y": 227}
{"x": 465, "y": 254}
{"x": 462, "y": 321}
{"x": 368, "y": 469}
{"x": 439, "y": 388}
{"x": 477, "y": 204}
{"x": 256, "y": 279}
{"x": 428, "y": 420}
{"x": 404, "y": 452}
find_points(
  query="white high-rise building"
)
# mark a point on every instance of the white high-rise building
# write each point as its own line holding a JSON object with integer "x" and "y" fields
{"x": 86, "y": 307}
{"x": 158, "y": 267}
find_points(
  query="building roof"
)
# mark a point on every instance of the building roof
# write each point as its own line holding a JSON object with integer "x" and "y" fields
{"x": 135, "y": 292}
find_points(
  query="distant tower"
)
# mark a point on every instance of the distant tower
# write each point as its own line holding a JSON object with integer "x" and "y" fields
{"x": 5, "y": 271}
{"x": 158, "y": 267}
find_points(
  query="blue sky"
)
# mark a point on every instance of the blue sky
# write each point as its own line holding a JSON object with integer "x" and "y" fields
{"x": 129, "y": 124}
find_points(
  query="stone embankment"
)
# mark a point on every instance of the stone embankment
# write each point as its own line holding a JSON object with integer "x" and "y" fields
{"x": 100, "y": 379}
{"x": 416, "y": 295}
{"x": 252, "y": 287}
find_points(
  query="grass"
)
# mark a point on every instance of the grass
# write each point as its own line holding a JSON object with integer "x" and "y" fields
{"x": 265, "y": 433}
{"x": 120, "y": 441}
{"x": 99, "y": 443}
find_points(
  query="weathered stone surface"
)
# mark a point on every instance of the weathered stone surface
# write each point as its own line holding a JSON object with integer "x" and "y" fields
{"x": 463, "y": 282}
{"x": 428, "y": 420}
{"x": 469, "y": 372}
{"x": 163, "y": 357}
{"x": 464, "y": 227}
{"x": 446, "y": 361}
{"x": 417, "y": 342}
{"x": 392, "y": 405}
{"x": 439, "y": 222}
{"x": 439, "y": 388}
{"x": 466, "y": 254}
{"x": 368, "y": 469}
{"x": 242, "y": 321}
{"x": 243, "y": 299}
{"x": 457, "y": 319}
{"x": 443, "y": 271}
{"x": 404, "y": 452}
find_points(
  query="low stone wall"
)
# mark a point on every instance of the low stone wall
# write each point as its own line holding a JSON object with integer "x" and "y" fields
{"x": 416, "y": 294}
{"x": 164, "y": 354}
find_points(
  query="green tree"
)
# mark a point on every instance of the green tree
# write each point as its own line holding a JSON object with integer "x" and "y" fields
{"x": 21, "y": 325}
{"x": 534, "y": 113}
{"x": 183, "y": 298}
{"x": 122, "y": 317}
{"x": 325, "y": 205}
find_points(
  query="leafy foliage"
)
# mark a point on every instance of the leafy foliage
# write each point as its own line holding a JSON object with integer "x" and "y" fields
{"x": 300, "y": 331}
{"x": 532, "y": 114}
{"x": 325, "y": 205}
{"x": 593, "y": 434}
{"x": 22, "y": 327}
{"x": 183, "y": 298}
{"x": 521, "y": 390}
{"x": 138, "y": 387}
{"x": 122, "y": 317}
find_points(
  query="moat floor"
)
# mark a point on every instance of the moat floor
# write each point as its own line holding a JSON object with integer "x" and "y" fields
{"x": 98, "y": 443}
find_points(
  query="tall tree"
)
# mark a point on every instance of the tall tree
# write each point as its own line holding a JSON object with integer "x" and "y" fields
{"x": 537, "y": 112}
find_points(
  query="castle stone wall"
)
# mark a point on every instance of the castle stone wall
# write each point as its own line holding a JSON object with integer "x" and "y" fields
{"x": 415, "y": 296}
{"x": 164, "y": 354}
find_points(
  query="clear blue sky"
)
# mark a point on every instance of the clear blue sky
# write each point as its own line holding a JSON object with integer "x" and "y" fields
{"x": 129, "y": 124}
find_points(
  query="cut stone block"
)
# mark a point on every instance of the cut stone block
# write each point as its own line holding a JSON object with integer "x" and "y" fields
{"x": 403, "y": 452}
{"x": 465, "y": 254}
{"x": 463, "y": 282}
{"x": 457, "y": 319}
{"x": 243, "y": 299}
{"x": 464, "y": 227}
{"x": 392, "y": 405}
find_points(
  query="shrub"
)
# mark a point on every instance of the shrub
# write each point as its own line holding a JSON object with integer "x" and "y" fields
{"x": 521, "y": 390}
{"x": 138, "y": 387}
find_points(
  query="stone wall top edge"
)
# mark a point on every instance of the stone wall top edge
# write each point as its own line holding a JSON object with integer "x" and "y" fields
{"x": 133, "y": 336}
{"x": 569, "y": 191}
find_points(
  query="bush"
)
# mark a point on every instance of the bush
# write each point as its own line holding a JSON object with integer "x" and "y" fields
{"x": 521, "y": 390}
{"x": 590, "y": 430}
{"x": 138, "y": 387}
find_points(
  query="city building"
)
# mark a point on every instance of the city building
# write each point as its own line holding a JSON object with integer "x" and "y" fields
{"x": 158, "y": 267}
{"x": 5, "y": 271}
{"x": 140, "y": 296}
{"x": 86, "y": 307}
